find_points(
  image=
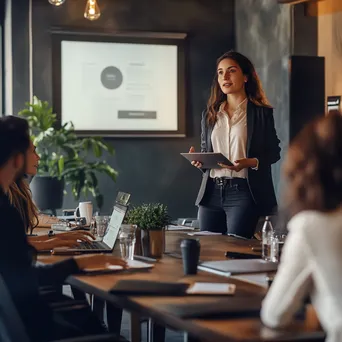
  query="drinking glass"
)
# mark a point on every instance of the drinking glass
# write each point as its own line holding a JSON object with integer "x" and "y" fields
{"x": 274, "y": 252}
{"x": 127, "y": 240}
{"x": 101, "y": 225}
{"x": 281, "y": 241}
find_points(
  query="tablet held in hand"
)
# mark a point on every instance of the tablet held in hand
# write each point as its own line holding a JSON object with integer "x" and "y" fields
{"x": 209, "y": 160}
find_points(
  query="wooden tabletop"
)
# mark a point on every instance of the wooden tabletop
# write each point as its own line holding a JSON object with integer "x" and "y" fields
{"x": 170, "y": 269}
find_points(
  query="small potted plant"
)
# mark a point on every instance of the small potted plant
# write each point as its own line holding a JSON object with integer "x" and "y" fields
{"x": 151, "y": 219}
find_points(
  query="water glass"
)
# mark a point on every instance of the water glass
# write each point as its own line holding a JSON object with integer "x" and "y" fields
{"x": 274, "y": 252}
{"x": 101, "y": 225}
{"x": 127, "y": 240}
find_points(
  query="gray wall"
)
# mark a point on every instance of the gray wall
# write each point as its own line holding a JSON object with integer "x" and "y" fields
{"x": 263, "y": 32}
{"x": 150, "y": 169}
{"x": 305, "y": 32}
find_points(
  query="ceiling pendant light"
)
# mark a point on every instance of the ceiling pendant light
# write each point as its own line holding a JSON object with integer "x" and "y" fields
{"x": 56, "y": 2}
{"x": 92, "y": 10}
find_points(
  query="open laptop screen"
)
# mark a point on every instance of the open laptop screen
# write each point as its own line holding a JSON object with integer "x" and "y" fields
{"x": 114, "y": 225}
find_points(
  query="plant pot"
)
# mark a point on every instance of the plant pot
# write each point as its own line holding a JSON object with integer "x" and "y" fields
{"x": 47, "y": 192}
{"x": 145, "y": 243}
{"x": 137, "y": 247}
{"x": 157, "y": 243}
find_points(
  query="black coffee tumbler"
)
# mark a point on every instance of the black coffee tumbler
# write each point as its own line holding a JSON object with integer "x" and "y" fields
{"x": 190, "y": 254}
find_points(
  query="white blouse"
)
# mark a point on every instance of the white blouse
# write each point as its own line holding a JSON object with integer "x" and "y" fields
{"x": 229, "y": 137}
{"x": 311, "y": 264}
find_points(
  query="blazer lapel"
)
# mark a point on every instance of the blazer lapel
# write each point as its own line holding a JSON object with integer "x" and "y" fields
{"x": 250, "y": 124}
{"x": 209, "y": 144}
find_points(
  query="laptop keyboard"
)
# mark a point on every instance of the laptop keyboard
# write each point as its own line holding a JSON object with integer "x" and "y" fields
{"x": 90, "y": 245}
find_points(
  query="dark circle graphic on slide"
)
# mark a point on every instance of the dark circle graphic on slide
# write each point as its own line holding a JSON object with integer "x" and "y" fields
{"x": 111, "y": 77}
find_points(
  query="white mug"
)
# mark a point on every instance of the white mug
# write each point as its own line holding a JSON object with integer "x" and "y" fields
{"x": 85, "y": 209}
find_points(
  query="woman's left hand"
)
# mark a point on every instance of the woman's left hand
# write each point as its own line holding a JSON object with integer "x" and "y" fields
{"x": 240, "y": 164}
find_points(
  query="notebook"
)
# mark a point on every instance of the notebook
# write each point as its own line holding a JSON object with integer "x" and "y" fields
{"x": 238, "y": 266}
{"x": 148, "y": 288}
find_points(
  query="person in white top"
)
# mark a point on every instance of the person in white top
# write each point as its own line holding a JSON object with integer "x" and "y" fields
{"x": 311, "y": 260}
{"x": 238, "y": 122}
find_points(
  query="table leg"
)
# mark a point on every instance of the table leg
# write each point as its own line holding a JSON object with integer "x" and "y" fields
{"x": 150, "y": 336}
{"x": 156, "y": 332}
{"x": 188, "y": 338}
{"x": 114, "y": 318}
{"x": 97, "y": 305}
{"x": 135, "y": 328}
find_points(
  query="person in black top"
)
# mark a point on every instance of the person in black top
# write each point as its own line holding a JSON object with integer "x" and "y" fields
{"x": 16, "y": 266}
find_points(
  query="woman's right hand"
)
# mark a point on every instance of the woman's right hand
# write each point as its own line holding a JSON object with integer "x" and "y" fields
{"x": 76, "y": 235}
{"x": 56, "y": 242}
{"x": 195, "y": 163}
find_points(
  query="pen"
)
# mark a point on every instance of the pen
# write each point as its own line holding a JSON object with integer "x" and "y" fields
{"x": 64, "y": 252}
{"x": 143, "y": 258}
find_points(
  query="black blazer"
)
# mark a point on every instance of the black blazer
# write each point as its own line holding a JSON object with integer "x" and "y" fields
{"x": 262, "y": 143}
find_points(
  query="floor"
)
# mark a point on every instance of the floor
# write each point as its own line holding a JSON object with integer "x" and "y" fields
{"x": 171, "y": 336}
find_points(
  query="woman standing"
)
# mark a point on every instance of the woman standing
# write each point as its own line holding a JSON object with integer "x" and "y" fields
{"x": 239, "y": 124}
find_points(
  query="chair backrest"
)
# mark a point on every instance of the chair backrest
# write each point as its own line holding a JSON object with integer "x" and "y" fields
{"x": 12, "y": 328}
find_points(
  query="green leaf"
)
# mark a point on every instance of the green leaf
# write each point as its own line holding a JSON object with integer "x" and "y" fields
{"x": 97, "y": 150}
{"x": 61, "y": 164}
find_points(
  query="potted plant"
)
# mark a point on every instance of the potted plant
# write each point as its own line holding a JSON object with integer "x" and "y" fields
{"x": 63, "y": 159}
{"x": 151, "y": 219}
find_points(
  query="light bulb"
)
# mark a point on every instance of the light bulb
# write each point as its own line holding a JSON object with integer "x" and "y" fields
{"x": 92, "y": 10}
{"x": 56, "y": 2}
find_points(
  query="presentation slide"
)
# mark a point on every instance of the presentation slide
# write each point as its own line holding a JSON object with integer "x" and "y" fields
{"x": 119, "y": 86}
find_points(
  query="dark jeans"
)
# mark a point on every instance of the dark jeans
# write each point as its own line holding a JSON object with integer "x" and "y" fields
{"x": 228, "y": 208}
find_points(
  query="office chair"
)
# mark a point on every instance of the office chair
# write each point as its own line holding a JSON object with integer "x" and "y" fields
{"x": 12, "y": 328}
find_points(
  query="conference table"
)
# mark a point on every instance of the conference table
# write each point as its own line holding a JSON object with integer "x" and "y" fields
{"x": 169, "y": 269}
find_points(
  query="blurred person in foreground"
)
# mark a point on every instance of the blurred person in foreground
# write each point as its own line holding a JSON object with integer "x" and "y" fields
{"x": 311, "y": 262}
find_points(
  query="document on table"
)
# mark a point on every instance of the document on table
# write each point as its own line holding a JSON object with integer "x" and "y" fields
{"x": 172, "y": 227}
{"x": 212, "y": 289}
{"x": 203, "y": 233}
{"x": 259, "y": 279}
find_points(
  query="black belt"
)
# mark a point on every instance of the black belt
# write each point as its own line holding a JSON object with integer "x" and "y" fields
{"x": 223, "y": 181}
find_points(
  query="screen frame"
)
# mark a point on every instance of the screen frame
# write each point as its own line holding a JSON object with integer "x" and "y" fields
{"x": 158, "y": 38}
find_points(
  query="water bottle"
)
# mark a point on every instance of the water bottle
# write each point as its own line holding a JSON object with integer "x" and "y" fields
{"x": 267, "y": 235}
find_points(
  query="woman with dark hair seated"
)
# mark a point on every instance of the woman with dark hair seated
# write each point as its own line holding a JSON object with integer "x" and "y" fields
{"x": 19, "y": 195}
{"x": 311, "y": 262}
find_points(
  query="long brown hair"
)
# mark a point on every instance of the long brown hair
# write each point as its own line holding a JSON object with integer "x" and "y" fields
{"x": 253, "y": 87}
{"x": 313, "y": 167}
{"x": 19, "y": 195}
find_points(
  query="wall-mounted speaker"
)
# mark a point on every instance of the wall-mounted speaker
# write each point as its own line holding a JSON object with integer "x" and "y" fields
{"x": 307, "y": 91}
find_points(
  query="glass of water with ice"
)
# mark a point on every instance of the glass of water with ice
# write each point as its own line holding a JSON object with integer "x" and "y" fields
{"x": 127, "y": 240}
{"x": 101, "y": 226}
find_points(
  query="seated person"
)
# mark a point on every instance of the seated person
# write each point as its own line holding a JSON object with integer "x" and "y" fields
{"x": 19, "y": 195}
{"x": 311, "y": 261}
{"x": 20, "y": 277}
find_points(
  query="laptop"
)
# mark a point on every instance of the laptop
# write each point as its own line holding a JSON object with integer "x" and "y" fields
{"x": 108, "y": 241}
